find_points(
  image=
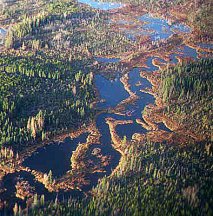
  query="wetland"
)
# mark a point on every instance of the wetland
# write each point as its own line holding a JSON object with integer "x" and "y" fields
{"x": 91, "y": 95}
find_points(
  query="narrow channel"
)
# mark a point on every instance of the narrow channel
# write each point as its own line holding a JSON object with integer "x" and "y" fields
{"x": 111, "y": 93}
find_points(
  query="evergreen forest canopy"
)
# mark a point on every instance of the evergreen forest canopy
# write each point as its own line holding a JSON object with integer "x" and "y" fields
{"x": 158, "y": 178}
{"x": 48, "y": 66}
{"x": 37, "y": 94}
{"x": 190, "y": 85}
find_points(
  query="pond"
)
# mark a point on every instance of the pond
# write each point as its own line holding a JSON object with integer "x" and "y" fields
{"x": 160, "y": 29}
{"x": 55, "y": 156}
{"x": 205, "y": 45}
{"x": 9, "y": 195}
{"x": 102, "y": 5}
{"x": 111, "y": 92}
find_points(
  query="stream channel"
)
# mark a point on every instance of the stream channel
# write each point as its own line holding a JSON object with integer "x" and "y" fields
{"x": 56, "y": 156}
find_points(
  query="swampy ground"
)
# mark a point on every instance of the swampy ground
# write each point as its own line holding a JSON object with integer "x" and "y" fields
{"x": 106, "y": 107}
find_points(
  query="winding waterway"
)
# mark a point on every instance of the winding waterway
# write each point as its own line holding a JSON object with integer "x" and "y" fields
{"x": 56, "y": 156}
{"x": 111, "y": 93}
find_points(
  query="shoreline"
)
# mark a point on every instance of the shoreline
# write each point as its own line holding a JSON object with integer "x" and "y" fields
{"x": 149, "y": 120}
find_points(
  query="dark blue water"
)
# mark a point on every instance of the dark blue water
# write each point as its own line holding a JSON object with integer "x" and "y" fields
{"x": 138, "y": 107}
{"x": 55, "y": 156}
{"x": 137, "y": 82}
{"x": 127, "y": 130}
{"x": 111, "y": 91}
{"x": 10, "y": 180}
{"x": 189, "y": 52}
{"x": 124, "y": 130}
{"x": 162, "y": 126}
{"x": 183, "y": 51}
{"x": 150, "y": 65}
{"x": 205, "y": 45}
{"x": 173, "y": 58}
